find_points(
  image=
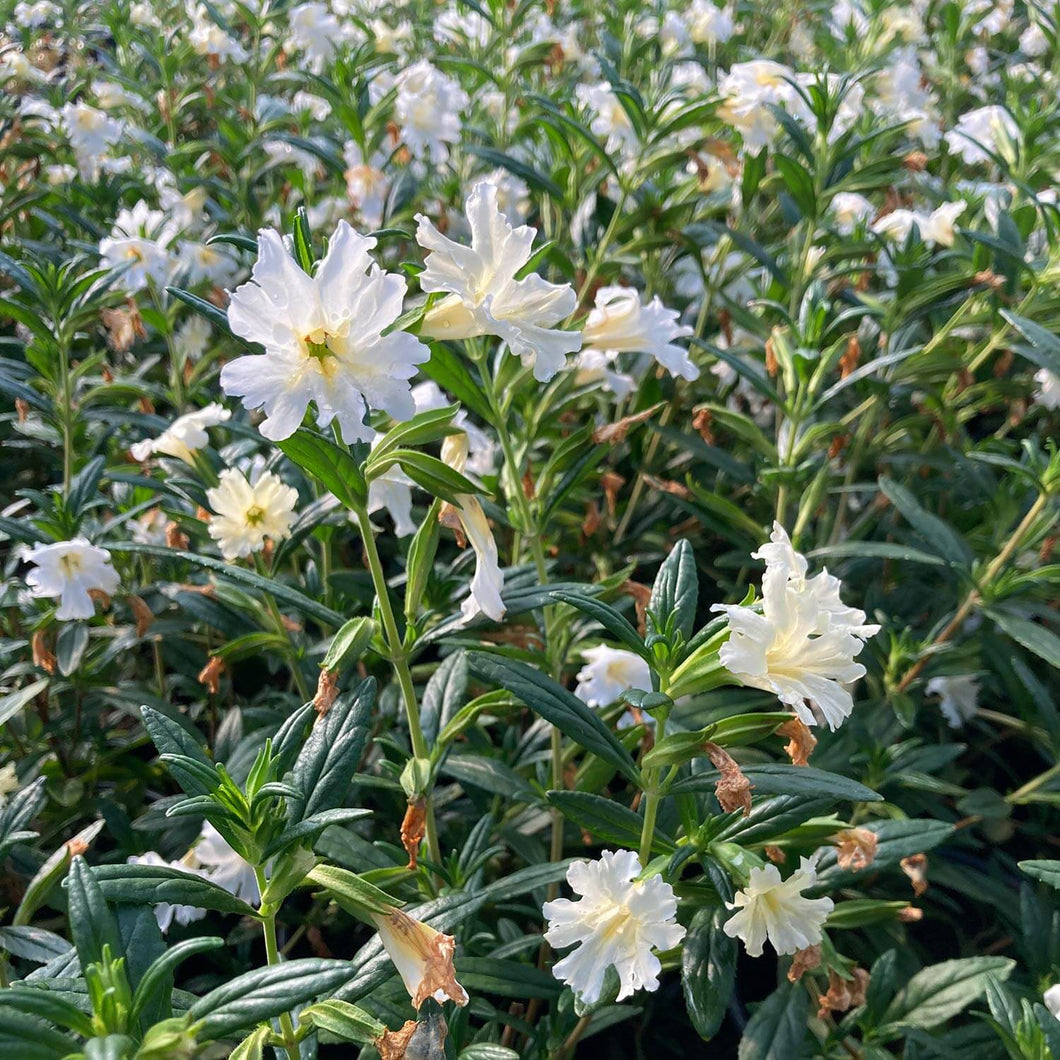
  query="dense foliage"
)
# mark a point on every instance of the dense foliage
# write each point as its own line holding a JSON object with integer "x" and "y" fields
{"x": 529, "y": 529}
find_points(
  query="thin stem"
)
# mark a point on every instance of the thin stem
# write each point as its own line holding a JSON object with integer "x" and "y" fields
{"x": 272, "y": 956}
{"x": 400, "y": 663}
{"x": 281, "y": 628}
{"x": 651, "y": 800}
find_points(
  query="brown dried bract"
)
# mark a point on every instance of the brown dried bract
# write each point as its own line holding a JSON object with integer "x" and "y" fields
{"x": 857, "y": 848}
{"x": 615, "y": 433}
{"x": 210, "y": 674}
{"x": 702, "y": 421}
{"x": 22, "y": 408}
{"x": 915, "y": 867}
{"x": 76, "y": 846}
{"x": 100, "y": 597}
{"x": 802, "y": 741}
{"x": 124, "y": 327}
{"x": 327, "y": 691}
{"x": 43, "y": 656}
{"x": 804, "y": 961}
{"x": 423, "y": 1040}
{"x": 413, "y": 828}
{"x": 910, "y": 915}
{"x": 142, "y": 613}
{"x": 641, "y": 598}
{"x": 843, "y": 994}
{"x": 611, "y": 482}
{"x": 591, "y": 522}
{"x": 915, "y": 161}
{"x": 450, "y": 517}
{"x": 175, "y": 537}
{"x": 733, "y": 789}
{"x": 772, "y": 366}
{"x": 663, "y": 485}
{"x": 851, "y": 355}
{"x": 775, "y": 854}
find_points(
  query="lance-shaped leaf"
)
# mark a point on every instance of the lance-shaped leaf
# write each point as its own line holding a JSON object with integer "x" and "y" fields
{"x": 708, "y": 970}
{"x": 676, "y": 590}
{"x": 330, "y": 464}
{"x": 155, "y": 884}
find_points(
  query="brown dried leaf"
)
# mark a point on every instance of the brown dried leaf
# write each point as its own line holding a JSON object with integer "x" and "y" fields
{"x": 802, "y": 741}
{"x": 413, "y": 828}
{"x": 615, "y": 433}
{"x": 733, "y": 789}
{"x": 327, "y": 691}
{"x": 915, "y": 867}
{"x": 857, "y": 848}
{"x": 210, "y": 674}
{"x": 804, "y": 961}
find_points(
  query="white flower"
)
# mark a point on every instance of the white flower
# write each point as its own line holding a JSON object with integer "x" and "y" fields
{"x": 481, "y": 450}
{"x": 428, "y": 107}
{"x": 987, "y": 129}
{"x": 208, "y": 38}
{"x": 422, "y": 956}
{"x": 748, "y": 90}
{"x": 1048, "y": 392}
{"x": 184, "y": 435}
{"x": 1033, "y": 40}
{"x": 615, "y": 923}
{"x": 206, "y": 264}
{"x": 392, "y": 490}
{"x": 247, "y": 514}
{"x": 611, "y": 122}
{"x": 801, "y": 645}
{"x": 935, "y": 227}
{"x": 70, "y": 570}
{"x": 139, "y": 241}
{"x": 323, "y": 339}
{"x": 958, "y": 697}
{"x": 1052, "y": 999}
{"x": 366, "y": 183}
{"x": 485, "y": 298}
{"x": 8, "y": 781}
{"x": 192, "y": 338}
{"x": 608, "y": 673}
{"x": 91, "y": 132}
{"x": 37, "y": 14}
{"x": 111, "y": 95}
{"x": 165, "y": 913}
{"x": 709, "y": 24}
{"x": 598, "y": 366}
{"x": 224, "y": 866}
{"x": 775, "y": 909}
{"x": 14, "y": 66}
{"x": 620, "y": 322}
{"x": 467, "y": 515}
{"x": 849, "y": 209}
{"x": 315, "y": 31}
{"x": 513, "y": 195}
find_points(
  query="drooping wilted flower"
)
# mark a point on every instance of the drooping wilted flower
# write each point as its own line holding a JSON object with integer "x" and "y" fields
{"x": 775, "y": 909}
{"x": 1051, "y": 997}
{"x": 958, "y": 697}
{"x": 323, "y": 339}
{"x": 422, "y": 956}
{"x": 184, "y": 435}
{"x": 70, "y": 570}
{"x": 616, "y": 922}
{"x": 484, "y": 296}
{"x": 248, "y": 514}
{"x": 467, "y": 515}
{"x": 620, "y": 323}
{"x": 608, "y": 672}
{"x": 165, "y": 913}
{"x": 802, "y": 643}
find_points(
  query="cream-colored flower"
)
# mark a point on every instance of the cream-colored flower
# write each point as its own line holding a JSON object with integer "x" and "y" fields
{"x": 422, "y": 956}
{"x": 70, "y": 570}
{"x": 608, "y": 672}
{"x": 958, "y": 697}
{"x": 775, "y": 909}
{"x": 485, "y": 298}
{"x": 248, "y": 514}
{"x": 615, "y": 923}
{"x": 184, "y": 435}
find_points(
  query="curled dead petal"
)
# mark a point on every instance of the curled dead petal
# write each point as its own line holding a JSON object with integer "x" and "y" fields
{"x": 327, "y": 691}
{"x": 702, "y": 421}
{"x": 857, "y": 848}
{"x": 733, "y": 789}
{"x": 775, "y": 854}
{"x": 101, "y": 598}
{"x": 851, "y": 356}
{"x": 641, "y": 598}
{"x": 175, "y": 537}
{"x": 413, "y": 828}
{"x": 910, "y": 915}
{"x": 804, "y": 961}
{"x": 43, "y": 656}
{"x": 414, "y": 1040}
{"x": 210, "y": 674}
{"x": 142, "y": 613}
{"x": 22, "y": 408}
{"x": 611, "y": 483}
{"x": 802, "y": 741}
{"x": 843, "y": 994}
{"x": 664, "y": 485}
{"x": 615, "y": 433}
{"x": 915, "y": 867}
{"x": 422, "y": 956}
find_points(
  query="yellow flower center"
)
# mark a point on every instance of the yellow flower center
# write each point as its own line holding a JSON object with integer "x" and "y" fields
{"x": 255, "y": 515}
{"x": 71, "y": 564}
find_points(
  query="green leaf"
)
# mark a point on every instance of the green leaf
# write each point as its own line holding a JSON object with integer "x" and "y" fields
{"x": 778, "y": 778}
{"x": 330, "y": 464}
{"x": 423, "y": 428}
{"x": 1045, "y": 351}
{"x": 940, "y": 992}
{"x": 676, "y": 589}
{"x": 160, "y": 970}
{"x": 436, "y": 477}
{"x": 492, "y": 157}
{"x": 345, "y": 1021}
{"x": 556, "y": 705}
{"x": 778, "y": 1026}
{"x": 615, "y": 624}
{"x": 895, "y": 840}
{"x": 490, "y": 975}
{"x": 875, "y": 550}
{"x": 444, "y": 694}
{"x": 39, "y": 1000}
{"x": 488, "y": 774}
{"x": 217, "y": 317}
{"x": 155, "y": 884}
{"x": 353, "y": 893}
{"x": 448, "y": 370}
{"x": 708, "y": 970}
{"x": 936, "y": 532}
{"x": 92, "y": 924}
{"x": 264, "y": 993}
{"x": 327, "y": 762}
{"x": 1034, "y": 637}
{"x": 1046, "y": 871}
{"x": 30, "y": 1038}
{"x": 12, "y": 703}
{"x": 609, "y": 820}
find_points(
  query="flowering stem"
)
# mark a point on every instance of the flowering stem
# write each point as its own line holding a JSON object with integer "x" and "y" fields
{"x": 400, "y": 663}
{"x": 272, "y": 956}
{"x": 651, "y": 799}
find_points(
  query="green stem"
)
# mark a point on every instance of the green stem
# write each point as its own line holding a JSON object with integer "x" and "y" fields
{"x": 651, "y": 799}
{"x": 399, "y": 661}
{"x": 272, "y": 956}
{"x": 282, "y": 630}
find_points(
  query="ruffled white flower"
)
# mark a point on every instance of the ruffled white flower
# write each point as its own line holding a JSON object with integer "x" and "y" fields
{"x": 248, "y": 514}
{"x": 422, "y": 956}
{"x": 165, "y": 913}
{"x": 937, "y": 227}
{"x": 1048, "y": 391}
{"x": 608, "y": 672}
{"x": 849, "y": 209}
{"x": 207, "y": 38}
{"x": 392, "y": 490}
{"x": 15, "y": 66}
{"x": 192, "y": 338}
{"x": 314, "y": 31}
{"x": 184, "y": 435}
{"x": 513, "y": 195}
{"x": 467, "y": 516}
{"x": 982, "y": 132}
{"x": 1051, "y": 997}
{"x": 203, "y": 263}
{"x": 802, "y": 643}
{"x": 610, "y": 121}
{"x": 1033, "y": 41}
{"x": 70, "y": 570}
{"x": 598, "y": 366}
{"x": 775, "y": 909}
{"x": 323, "y": 339}
{"x": 708, "y": 23}
{"x": 485, "y": 298}
{"x": 139, "y": 242}
{"x": 958, "y": 697}
{"x": 427, "y": 108}
{"x": 33, "y": 15}
{"x": 91, "y": 133}
{"x": 619, "y": 322}
{"x": 749, "y": 89}
{"x": 615, "y": 923}
{"x": 366, "y": 183}
{"x": 224, "y": 866}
